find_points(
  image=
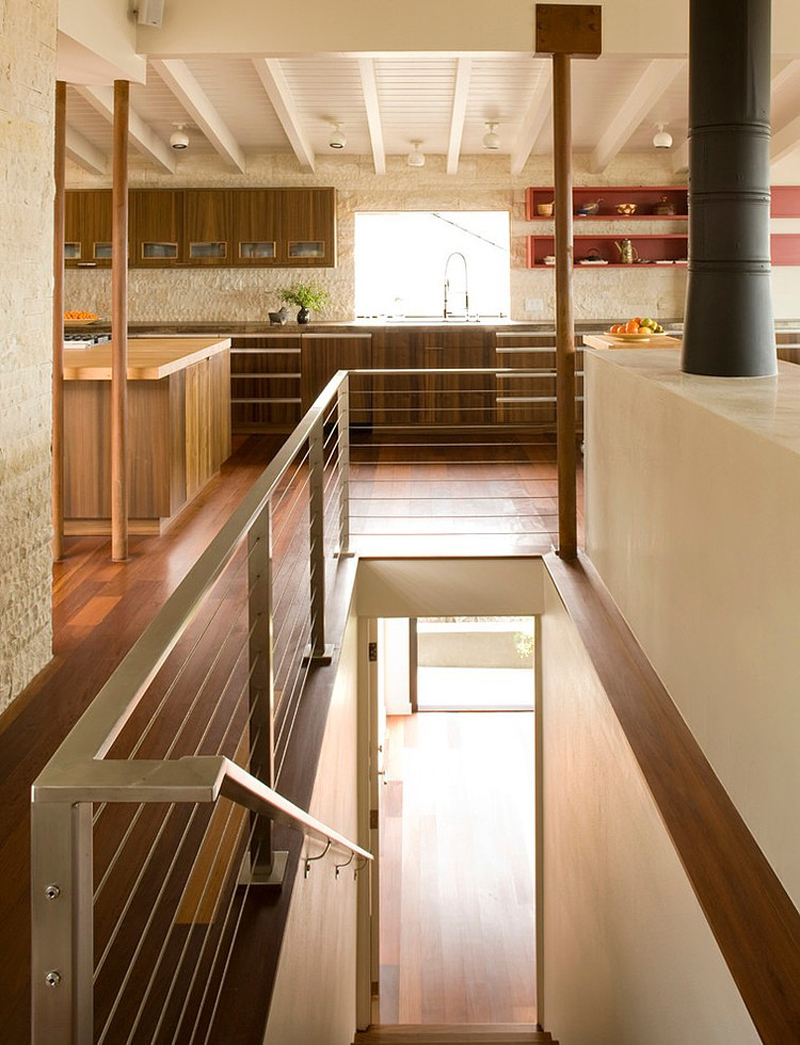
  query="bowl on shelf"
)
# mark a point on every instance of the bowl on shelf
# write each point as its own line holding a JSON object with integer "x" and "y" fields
{"x": 586, "y": 210}
{"x": 544, "y": 210}
{"x": 626, "y": 208}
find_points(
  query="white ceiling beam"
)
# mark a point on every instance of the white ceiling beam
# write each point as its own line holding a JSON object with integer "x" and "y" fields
{"x": 785, "y": 140}
{"x": 458, "y": 115}
{"x": 369, "y": 87}
{"x": 680, "y": 158}
{"x": 86, "y": 155}
{"x": 195, "y": 101}
{"x": 785, "y": 73}
{"x": 139, "y": 133}
{"x": 645, "y": 94}
{"x": 532, "y": 124}
{"x": 277, "y": 87}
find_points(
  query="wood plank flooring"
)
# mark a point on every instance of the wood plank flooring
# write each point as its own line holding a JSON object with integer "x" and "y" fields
{"x": 99, "y": 609}
{"x": 457, "y": 897}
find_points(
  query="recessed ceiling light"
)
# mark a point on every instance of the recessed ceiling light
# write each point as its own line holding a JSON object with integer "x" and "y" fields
{"x": 416, "y": 158}
{"x": 662, "y": 139}
{"x": 179, "y": 139}
{"x": 491, "y": 140}
{"x": 337, "y": 139}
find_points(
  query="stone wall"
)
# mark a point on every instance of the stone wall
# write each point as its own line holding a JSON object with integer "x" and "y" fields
{"x": 27, "y": 57}
{"x": 482, "y": 183}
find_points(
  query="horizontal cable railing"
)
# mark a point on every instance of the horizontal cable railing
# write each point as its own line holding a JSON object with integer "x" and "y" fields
{"x": 454, "y": 455}
{"x": 153, "y": 821}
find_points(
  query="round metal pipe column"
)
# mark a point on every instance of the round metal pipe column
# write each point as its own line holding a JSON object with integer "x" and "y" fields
{"x": 729, "y": 329}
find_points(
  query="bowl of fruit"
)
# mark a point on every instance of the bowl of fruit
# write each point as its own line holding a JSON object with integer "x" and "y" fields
{"x": 636, "y": 329}
{"x": 79, "y": 317}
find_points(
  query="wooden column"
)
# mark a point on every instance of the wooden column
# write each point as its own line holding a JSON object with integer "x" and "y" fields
{"x": 566, "y": 437}
{"x": 565, "y": 31}
{"x": 57, "y": 442}
{"x": 119, "y": 326}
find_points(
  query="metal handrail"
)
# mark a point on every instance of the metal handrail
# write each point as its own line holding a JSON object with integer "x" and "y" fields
{"x": 101, "y": 723}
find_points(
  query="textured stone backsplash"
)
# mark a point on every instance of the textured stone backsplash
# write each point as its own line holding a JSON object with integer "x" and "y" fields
{"x": 482, "y": 183}
{"x": 27, "y": 46}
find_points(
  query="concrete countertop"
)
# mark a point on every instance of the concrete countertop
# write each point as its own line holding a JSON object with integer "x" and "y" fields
{"x": 768, "y": 406}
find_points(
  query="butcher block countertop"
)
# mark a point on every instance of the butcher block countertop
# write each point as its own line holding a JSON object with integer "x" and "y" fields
{"x": 149, "y": 358}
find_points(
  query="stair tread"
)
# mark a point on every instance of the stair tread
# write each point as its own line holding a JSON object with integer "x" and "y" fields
{"x": 454, "y": 1033}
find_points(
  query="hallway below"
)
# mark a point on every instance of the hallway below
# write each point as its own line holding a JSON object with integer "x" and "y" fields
{"x": 457, "y": 860}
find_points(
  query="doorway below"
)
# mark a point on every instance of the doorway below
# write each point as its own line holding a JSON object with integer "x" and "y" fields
{"x": 472, "y": 663}
{"x": 457, "y": 869}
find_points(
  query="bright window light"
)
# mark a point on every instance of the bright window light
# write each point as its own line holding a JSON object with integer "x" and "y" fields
{"x": 400, "y": 262}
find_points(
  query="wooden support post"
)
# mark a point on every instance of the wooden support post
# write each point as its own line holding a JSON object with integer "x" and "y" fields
{"x": 566, "y": 437}
{"x": 119, "y": 326}
{"x": 565, "y": 31}
{"x": 59, "y": 208}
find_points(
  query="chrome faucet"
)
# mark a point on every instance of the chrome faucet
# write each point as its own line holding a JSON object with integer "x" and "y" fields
{"x": 447, "y": 313}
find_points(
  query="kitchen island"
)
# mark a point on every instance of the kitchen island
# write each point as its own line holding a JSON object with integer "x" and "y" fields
{"x": 179, "y": 429}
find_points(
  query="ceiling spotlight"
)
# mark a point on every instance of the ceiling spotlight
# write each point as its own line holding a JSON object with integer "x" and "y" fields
{"x": 179, "y": 139}
{"x": 416, "y": 158}
{"x": 662, "y": 139}
{"x": 491, "y": 140}
{"x": 337, "y": 139}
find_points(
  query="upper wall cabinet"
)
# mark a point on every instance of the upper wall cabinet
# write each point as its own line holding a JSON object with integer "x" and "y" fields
{"x": 88, "y": 229}
{"x": 292, "y": 228}
{"x": 155, "y": 223}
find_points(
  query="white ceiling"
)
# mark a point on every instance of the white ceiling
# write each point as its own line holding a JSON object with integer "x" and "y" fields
{"x": 443, "y": 101}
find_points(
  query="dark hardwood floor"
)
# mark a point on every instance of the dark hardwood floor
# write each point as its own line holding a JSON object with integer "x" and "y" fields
{"x": 100, "y": 608}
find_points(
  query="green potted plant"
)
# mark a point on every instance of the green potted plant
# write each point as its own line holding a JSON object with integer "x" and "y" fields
{"x": 306, "y": 296}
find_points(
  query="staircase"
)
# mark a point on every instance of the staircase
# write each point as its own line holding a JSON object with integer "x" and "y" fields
{"x": 453, "y": 1034}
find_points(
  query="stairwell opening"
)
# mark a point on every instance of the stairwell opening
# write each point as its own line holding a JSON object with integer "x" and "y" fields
{"x": 455, "y": 773}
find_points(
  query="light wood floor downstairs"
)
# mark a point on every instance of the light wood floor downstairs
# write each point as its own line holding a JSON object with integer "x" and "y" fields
{"x": 457, "y": 890}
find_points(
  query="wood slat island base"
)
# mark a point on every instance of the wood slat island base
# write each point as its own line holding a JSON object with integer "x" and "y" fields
{"x": 179, "y": 429}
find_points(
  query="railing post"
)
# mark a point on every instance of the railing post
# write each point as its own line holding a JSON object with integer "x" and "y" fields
{"x": 316, "y": 507}
{"x": 62, "y": 934}
{"x": 343, "y": 414}
{"x": 266, "y": 866}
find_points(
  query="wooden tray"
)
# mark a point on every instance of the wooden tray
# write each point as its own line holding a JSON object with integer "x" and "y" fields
{"x": 633, "y": 337}
{"x": 81, "y": 322}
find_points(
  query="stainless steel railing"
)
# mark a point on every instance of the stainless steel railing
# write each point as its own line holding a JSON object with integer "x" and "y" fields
{"x": 154, "y": 817}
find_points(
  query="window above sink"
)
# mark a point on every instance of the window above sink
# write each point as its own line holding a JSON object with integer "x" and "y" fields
{"x": 400, "y": 265}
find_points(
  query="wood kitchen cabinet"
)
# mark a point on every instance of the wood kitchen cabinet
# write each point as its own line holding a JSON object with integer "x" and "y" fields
{"x": 323, "y": 355}
{"x": 257, "y": 227}
{"x": 529, "y": 398}
{"x": 87, "y": 239}
{"x": 169, "y": 228}
{"x": 309, "y": 227}
{"x": 265, "y": 382}
{"x": 428, "y": 397}
{"x": 156, "y": 227}
{"x": 207, "y": 226}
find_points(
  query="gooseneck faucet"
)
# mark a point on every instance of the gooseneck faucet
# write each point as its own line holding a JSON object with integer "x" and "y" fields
{"x": 455, "y": 254}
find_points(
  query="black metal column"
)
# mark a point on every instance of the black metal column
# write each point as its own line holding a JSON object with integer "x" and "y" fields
{"x": 729, "y": 329}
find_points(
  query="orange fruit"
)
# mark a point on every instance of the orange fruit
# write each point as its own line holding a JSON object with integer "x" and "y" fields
{"x": 632, "y": 326}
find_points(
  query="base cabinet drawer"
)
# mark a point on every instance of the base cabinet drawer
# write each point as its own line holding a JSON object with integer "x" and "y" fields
{"x": 526, "y": 380}
{"x": 265, "y": 382}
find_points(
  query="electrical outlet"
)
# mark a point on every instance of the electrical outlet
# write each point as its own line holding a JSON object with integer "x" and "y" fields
{"x": 534, "y": 305}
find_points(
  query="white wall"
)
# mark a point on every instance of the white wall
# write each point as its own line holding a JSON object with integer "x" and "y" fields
{"x": 448, "y": 587}
{"x": 628, "y": 955}
{"x": 27, "y": 56}
{"x": 315, "y": 993}
{"x": 693, "y": 501}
